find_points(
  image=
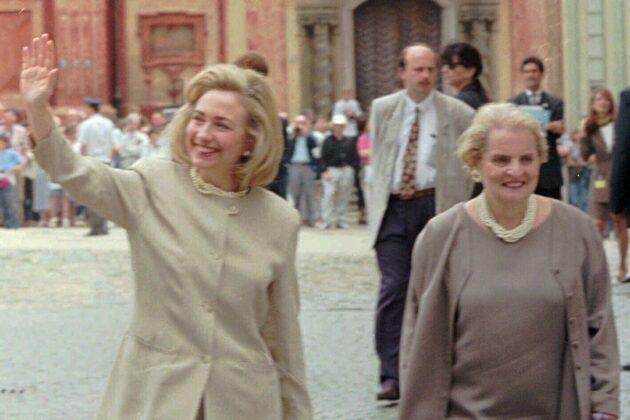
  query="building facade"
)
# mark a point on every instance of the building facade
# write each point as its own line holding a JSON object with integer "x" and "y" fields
{"x": 140, "y": 53}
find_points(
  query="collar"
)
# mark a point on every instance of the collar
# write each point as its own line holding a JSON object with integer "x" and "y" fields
{"x": 422, "y": 106}
{"x": 539, "y": 92}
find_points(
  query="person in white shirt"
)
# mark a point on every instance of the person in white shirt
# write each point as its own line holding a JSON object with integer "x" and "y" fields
{"x": 132, "y": 143}
{"x": 350, "y": 108}
{"x": 97, "y": 141}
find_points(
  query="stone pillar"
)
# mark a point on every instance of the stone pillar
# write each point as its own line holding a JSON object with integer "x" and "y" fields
{"x": 322, "y": 64}
{"x": 318, "y": 67}
{"x": 477, "y": 20}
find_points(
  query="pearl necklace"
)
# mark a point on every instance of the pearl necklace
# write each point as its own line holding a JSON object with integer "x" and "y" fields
{"x": 209, "y": 189}
{"x": 508, "y": 235}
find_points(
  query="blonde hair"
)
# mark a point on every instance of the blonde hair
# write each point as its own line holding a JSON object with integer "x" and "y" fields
{"x": 262, "y": 126}
{"x": 496, "y": 116}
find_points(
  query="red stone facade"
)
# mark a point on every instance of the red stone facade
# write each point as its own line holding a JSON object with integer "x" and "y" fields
{"x": 261, "y": 16}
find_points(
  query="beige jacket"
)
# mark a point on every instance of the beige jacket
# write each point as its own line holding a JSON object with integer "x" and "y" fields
{"x": 452, "y": 183}
{"x": 216, "y": 296}
{"x": 590, "y": 375}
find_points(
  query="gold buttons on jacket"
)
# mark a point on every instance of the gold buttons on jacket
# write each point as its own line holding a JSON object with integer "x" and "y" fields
{"x": 215, "y": 256}
{"x": 232, "y": 210}
{"x": 207, "y": 307}
{"x": 206, "y": 359}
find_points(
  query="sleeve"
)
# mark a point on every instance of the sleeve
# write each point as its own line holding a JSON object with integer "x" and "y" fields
{"x": 557, "y": 113}
{"x": 587, "y": 147}
{"x": 325, "y": 159}
{"x": 620, "y": 177}
{"x": 357, "y": 108}
{"x": 117, "y": 195}
{"x": 603, "y": 347}
{"x": 282, "y": 335}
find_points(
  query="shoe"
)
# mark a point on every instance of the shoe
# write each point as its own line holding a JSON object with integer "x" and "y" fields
{"x": 322, "y": 226}
{"x": 65, "y": 222}
{"x": 389, "y": 392}
{"x": 342, "y": 226}
{"x": 625, "y": 367}
{"x": 53, "y": 222}
{"x": 623, "y": 277}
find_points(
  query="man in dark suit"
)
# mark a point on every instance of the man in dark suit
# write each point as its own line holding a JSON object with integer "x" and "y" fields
{"x": 533, "y": 71}
{"x": 620, "y": 176}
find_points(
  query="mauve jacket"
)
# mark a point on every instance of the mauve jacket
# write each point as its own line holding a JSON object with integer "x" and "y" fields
{"x": 590, "y": 374}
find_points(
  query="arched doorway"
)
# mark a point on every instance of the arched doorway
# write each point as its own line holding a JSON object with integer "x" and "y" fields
{"x": 381, "y": 29}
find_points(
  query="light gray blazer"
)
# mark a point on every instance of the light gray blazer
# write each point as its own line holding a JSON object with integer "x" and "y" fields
{"x": 452, "y": 183}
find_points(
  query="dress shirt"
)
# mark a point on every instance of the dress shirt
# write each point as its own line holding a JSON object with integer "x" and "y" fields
{"x": 534, "y": 96}
{"x": 341, "y": 106}
{"x": 97, "y": 134}
{"x": 425, "y": 163}
{"x": 300, "y": 153}
{"x": 607, "y": 135}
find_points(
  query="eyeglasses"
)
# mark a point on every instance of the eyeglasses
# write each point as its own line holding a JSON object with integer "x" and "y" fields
{"x": 451, "y": 65}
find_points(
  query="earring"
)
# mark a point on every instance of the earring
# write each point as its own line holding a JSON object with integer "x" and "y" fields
{"x": 475, "y": 175}
{"x": 246, "y": 154}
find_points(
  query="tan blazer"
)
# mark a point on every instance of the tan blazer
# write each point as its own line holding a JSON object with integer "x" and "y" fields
{"x": 590, "y": 374}
{"x": 216, "y": 296}
{"x": 452, "y": 183}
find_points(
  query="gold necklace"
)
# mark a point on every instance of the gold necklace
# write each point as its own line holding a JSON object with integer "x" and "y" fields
{"x": 205, "y": 188}
{"x": 508, "y": 235}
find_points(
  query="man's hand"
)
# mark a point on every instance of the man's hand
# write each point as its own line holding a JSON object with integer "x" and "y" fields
{"x": 556, "y": 127}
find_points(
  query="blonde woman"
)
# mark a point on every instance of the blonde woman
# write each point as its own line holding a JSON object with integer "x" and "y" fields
{"x": 214, "y": 332}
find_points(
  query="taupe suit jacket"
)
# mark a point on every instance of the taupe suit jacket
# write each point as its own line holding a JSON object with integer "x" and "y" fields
{"x": 452, "y": 183}
{"x": 216, "y": 299}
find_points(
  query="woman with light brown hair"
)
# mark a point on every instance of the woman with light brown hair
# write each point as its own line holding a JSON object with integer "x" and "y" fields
{"x": 214, "y": 332}
{"x": 598, "y": 141}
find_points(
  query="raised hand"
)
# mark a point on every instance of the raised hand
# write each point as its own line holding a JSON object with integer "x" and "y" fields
{"x": 39, "y": 76}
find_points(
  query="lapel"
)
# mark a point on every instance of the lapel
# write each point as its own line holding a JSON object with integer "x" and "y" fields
{"x": 394, "y": 119}
{"x": 544, "y": 100}
{"x": 441, "y": 114}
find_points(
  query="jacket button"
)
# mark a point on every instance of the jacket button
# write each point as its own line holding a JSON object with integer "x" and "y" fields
{"x": 232, "y": 210}
{"x": 207, "y": 307}
{"x": 578, "y": 366}
{"x": 575, "y": 344}
{"x": 205, "y": 359}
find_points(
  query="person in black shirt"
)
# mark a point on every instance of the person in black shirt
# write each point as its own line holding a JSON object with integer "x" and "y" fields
{"x": 339, "y": 157}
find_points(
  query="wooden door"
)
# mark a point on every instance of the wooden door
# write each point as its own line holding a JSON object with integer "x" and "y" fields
{"x": 83, "y": 33}
{"x": 16, "y": 29}
{"x": 382, "y": 28}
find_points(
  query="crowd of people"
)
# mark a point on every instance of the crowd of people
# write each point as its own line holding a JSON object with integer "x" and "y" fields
{"x": 28, "y": 197}
{"x": 494, "y": 297}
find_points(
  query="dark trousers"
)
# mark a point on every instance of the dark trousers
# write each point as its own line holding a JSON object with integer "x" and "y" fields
{"x": 403, "y": 221}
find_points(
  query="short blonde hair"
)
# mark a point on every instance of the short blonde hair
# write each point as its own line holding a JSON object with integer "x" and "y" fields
{"x": 262, "y": 122}
{"x": 496, "y": 116}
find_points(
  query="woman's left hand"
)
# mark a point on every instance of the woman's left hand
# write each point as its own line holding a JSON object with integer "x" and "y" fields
{"x": 603, "y": 416}
{"x": 39, "y": 75}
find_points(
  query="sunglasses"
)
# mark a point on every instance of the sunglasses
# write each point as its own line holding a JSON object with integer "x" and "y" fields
{"x": 452, "y": 65}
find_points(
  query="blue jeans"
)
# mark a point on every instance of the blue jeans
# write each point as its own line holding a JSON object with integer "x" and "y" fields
{"x": 8, "y": 206}
{"x": 579, "y": 180}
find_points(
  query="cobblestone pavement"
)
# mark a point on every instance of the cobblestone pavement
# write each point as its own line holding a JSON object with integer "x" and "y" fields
{"x": 65, "y": 302}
